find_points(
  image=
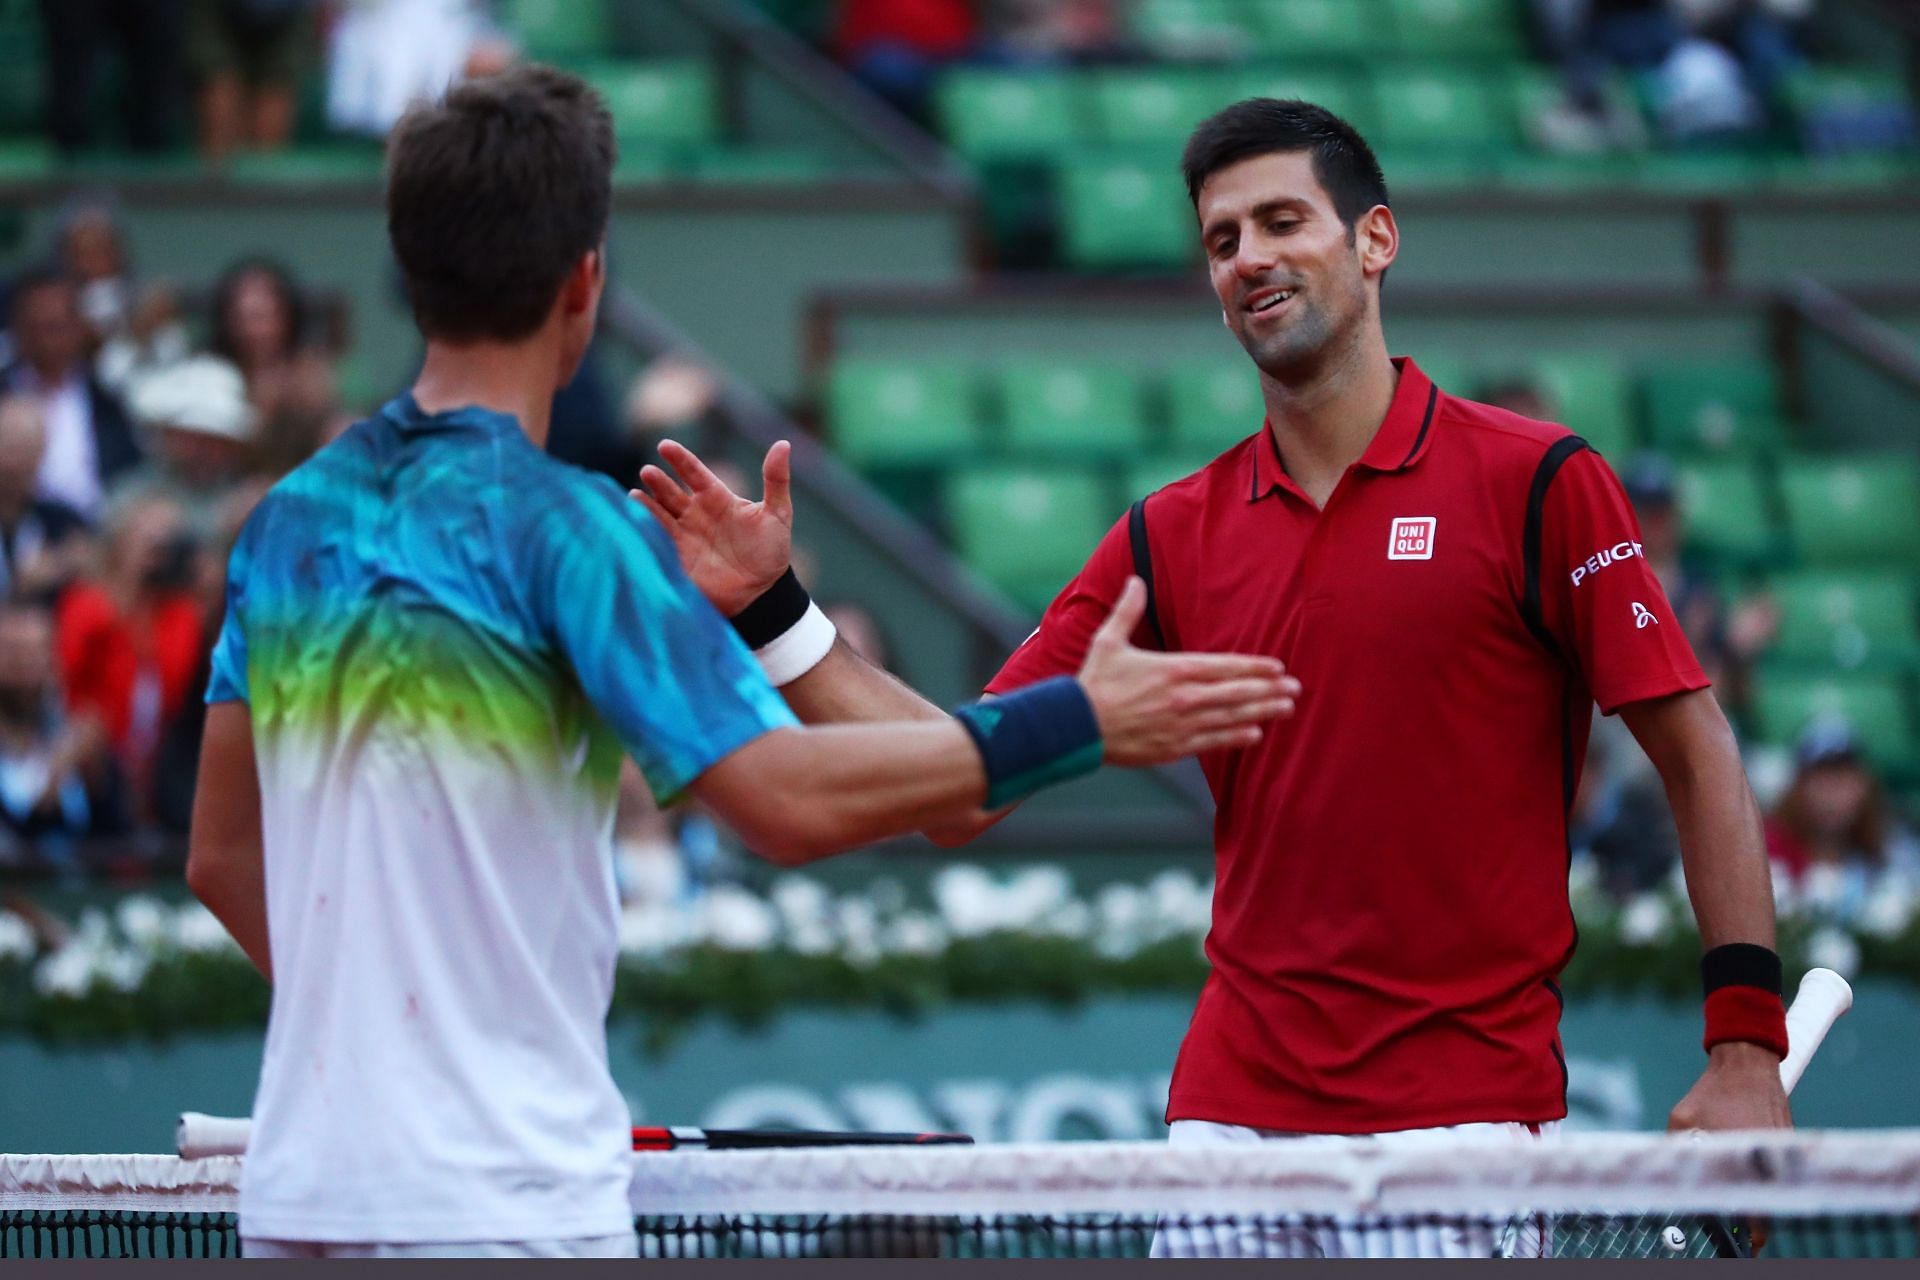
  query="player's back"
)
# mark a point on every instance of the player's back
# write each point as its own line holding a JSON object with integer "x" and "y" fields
{"x": 437, "y": 795}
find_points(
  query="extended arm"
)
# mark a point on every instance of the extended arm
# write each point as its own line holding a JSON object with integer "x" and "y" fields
{"x": 1724, "y": 854}
{"x": 225, "y": 859}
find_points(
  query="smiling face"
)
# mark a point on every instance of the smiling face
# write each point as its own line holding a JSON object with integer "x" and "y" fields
{"x": 1296, "y": 283}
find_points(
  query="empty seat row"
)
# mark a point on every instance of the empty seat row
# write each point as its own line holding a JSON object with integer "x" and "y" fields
{"x": 1308, "y": 28}
{"x": 905, "y": 411}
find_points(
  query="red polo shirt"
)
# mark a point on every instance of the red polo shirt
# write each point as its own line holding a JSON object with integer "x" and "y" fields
{"x": 1391, "y": 904}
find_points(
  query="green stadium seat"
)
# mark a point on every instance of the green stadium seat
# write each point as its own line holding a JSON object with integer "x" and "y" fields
{"x": 1072, "y": 410}
{"x": 1704, "y": 408}
{"x": 1845, "y": 620}
{"x": 883, "y": 413}
{"x": 1854, "y": 510}
{"x": 1432, "y": 169}
{"x": 1452, "y": 28}
{"x": 1842, "y": 109}
{"x": 1185, "y": 28}
{"x": 25, "y": 159}
{"x": 1434, "y": 109}
{"x": 1592, "y": 394}
{"x": 660, "y": 101}
{"x": 1308, "y": 29}
{"x": 558, "y": 30}
{"x": 1155, "y": 106}
{"x": 1210, "y": 406}
{"x": 1027, "y": 529}
{"x": 1004, "y": 115}
{"x": 1159, "y": 471}
{"x": 1124, "y": 211}
{"x": 1727, "y": 512}
{"x": 1348, "y": 96}
{"x": 1873, "y": 705}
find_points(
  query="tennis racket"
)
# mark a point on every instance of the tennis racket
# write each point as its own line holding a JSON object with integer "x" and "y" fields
{"x": 198, "y": 1136}
{"x": 1823, "y": 996}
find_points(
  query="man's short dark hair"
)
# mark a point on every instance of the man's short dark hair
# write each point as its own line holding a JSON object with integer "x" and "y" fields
{"x": 1342, "y": 160}
{"x": 493, "y": 195}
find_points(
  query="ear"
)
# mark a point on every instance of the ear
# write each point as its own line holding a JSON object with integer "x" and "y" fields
{"x": 583, "y": 282}
{"x": 1376, "y": 237}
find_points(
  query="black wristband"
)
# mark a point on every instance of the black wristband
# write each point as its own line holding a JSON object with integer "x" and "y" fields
{"x": 773, "y": 613}
{"x": 1741, "y": 964}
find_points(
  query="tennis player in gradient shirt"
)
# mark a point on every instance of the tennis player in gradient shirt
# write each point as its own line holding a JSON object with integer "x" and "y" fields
{"x": 1455, "y": 587}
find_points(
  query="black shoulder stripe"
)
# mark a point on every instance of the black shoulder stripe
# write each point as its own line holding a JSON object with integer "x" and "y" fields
{"x": 1143, "y": 565}
{"x": 1543, "y": 475}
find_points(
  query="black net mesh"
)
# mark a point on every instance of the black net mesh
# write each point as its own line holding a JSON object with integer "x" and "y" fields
{"x": 92, "y": 1233}
{"x": 1790, "y": 1195}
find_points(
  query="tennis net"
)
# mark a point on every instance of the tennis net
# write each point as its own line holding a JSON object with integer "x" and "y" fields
{"x": 1808, "y": 1194}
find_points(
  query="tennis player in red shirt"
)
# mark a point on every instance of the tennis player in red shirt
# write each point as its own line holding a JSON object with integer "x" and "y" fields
{"x": 1455, "y": 587}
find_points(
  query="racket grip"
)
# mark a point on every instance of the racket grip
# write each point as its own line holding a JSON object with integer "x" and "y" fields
{"x": 198, "y": 1136}
{"x": 1823, "y": 996}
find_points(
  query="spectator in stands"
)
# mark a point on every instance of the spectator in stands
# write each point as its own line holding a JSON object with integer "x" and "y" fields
{"x": 1621, "y": 818}
{"x": 245, "y": 57}
{"x": 134, "y": 328}
{"x": 384, "y": 54}
{"x": 57, "y": 782}
{"x": 131, "y": 641}
{"x": 1833, "y": 832}
{"x": 1726, "y": 640}
{"x": 43, "y": 543}
{"x": 896, "y": 47}
{"x": 259, "y": 325}
{"x": 1054, "y": 31}
{"x": 146, "y": 34}
{"x": 89, "y": 438}
{"x": 202, "y": 433}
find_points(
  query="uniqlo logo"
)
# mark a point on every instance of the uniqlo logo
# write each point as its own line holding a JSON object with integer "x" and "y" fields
{"x": 1412, "y": 538}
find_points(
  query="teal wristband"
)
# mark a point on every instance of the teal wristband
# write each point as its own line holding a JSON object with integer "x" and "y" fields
{"x": 1033, "y": 737}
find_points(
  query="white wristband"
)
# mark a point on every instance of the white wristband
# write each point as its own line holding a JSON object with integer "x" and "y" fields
{"x": 798, "y": 649}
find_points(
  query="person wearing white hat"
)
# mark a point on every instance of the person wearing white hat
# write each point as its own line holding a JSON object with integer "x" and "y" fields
{"x": 201, "y": 431}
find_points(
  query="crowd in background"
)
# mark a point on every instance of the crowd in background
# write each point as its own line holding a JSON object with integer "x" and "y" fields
{"x": 231, "y": 73}
{"x": 1832, "y": 832}
{"x": 140, "y": 423}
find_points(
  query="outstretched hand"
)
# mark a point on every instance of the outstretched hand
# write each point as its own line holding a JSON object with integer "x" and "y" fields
{"x": 731, "y": 548}
{"x": 1155, "y": 708}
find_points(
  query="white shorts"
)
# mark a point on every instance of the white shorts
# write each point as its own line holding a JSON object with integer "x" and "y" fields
{"x": 1284, "y": 1237}
{"x": 624, "y": 1244}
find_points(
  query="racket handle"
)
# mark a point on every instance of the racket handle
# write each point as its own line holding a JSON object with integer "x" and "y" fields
{"x": 1823, "y": 996}
{"x": 198, "y": 1136}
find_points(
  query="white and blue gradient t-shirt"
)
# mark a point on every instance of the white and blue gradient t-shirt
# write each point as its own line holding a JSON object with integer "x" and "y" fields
{"x": 446, "y": 640}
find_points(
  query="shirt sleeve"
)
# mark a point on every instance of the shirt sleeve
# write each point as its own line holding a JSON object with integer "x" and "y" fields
{"x": 660, "y": 665}
{"x": 227, "y": 668}
{"x": 1599, "y": 597}
{"x": 1059, "y": 645}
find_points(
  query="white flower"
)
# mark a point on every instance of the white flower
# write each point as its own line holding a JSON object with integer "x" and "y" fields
{"x": 969, "y": 903}
{"x": 738, "y": 921}
{"x": 1648, "y": 918}
{"x": 197, "y": 930}
{"x": 123, "y": 968}
{"x": 67, "y": 972}
{"x": 1786, "y": 890}
{"x": 801, "y": 902}
{"x": 649, "y": 928}
{"x": 1069, "y": 920}
{"x": 915, "y": 934}
{"x": 16, "y": 939}
{"x": 1889, "y": 910}
{"x": 1181, "y": 902}
{"x": 1835, "y": 949}
{"x": 1822, "y": 888}
{"x": 1037, "y": 893}
{"x": 812, "y": 939}
{"x": 144, "y": 922}
{"x": 859, "y": 929}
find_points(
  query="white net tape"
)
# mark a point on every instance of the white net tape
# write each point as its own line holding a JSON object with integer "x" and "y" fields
{"x": 1862, "y": 1172}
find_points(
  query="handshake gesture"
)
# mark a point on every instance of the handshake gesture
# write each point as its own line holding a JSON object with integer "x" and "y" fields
{"x": 1153, "y": 708}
